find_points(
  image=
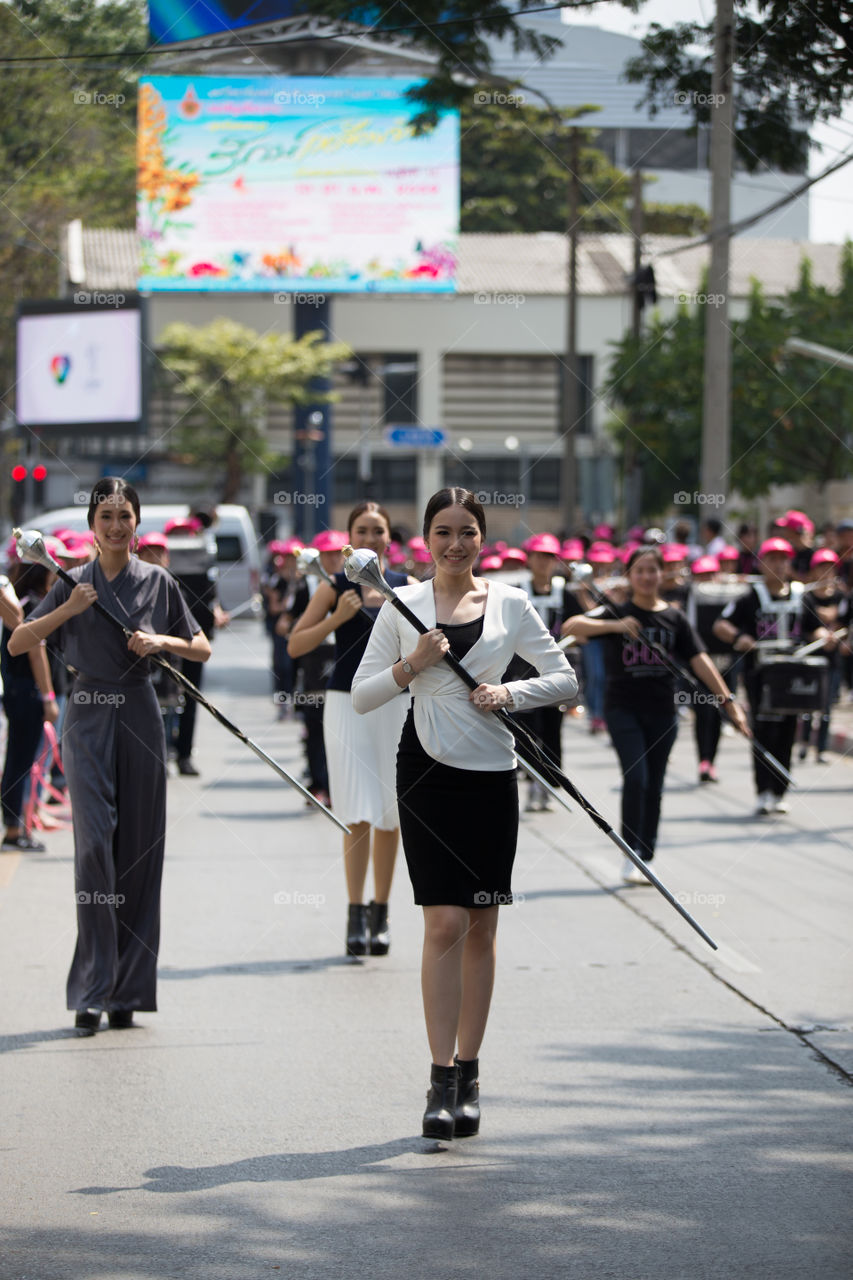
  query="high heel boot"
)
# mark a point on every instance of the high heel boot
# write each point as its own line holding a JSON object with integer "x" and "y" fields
{"x": 380, "y": 933}
{"x": 358, "y": 938}
{"x": 441, "y": 1102}
{"x": 467, "y": 1098}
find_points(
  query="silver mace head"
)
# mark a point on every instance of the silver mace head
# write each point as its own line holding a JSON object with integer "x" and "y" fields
{"x": 581, "y": 575}
{"x": 32, "y": 549}
{"x": 363, "y": 567}
{"x": 308, "y": 562}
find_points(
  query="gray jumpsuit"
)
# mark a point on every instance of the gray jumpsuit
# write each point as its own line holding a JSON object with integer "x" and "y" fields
{"x": 114, "y": 752}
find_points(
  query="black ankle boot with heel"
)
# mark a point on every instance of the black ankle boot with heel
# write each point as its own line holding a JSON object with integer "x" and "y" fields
{"x": 380, "y": 933}
{"x": 358, "y": 935}
{"x": 467, "y": 1098}
{"x": 439, "y": 1117}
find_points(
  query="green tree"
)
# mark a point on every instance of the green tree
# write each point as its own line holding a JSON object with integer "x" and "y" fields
{"x": 791, "y": 416}
{"x": 794, "y": 66}
{"x": 67, "y": 141}
{"x": 516, "y": 160}
{"x": 232, "y": 376}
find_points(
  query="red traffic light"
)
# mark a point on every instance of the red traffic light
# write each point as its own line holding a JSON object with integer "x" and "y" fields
{"x": 39, "y": 472}
{"x": 19, "y": 473}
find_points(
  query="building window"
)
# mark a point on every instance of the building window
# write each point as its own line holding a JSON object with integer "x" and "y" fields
{"x": 391, "y": 480}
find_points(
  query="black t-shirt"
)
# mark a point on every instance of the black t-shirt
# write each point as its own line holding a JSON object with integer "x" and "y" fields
{"x": 811, "y": 621}
{"x": 636, "y": 678}
{"x": 749, "y": 616}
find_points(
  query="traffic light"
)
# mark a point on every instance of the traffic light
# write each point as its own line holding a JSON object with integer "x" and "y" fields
{"x": 18, "y": 502}
{"x": 39, "y": 478}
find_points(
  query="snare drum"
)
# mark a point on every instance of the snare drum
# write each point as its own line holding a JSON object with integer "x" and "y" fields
{"x": 792, "y": 686}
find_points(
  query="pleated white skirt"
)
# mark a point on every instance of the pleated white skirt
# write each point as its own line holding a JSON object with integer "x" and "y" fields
{"x": 361, "y": 754}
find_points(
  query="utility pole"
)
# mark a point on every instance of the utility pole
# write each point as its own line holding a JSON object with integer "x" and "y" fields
{"x": 571, "y": 387}
{"x": 716, "y": 415}
{"x": 632, "y": 474}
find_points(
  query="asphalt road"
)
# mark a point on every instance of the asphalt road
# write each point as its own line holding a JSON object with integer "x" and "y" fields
{"x": 651, "y": 1109}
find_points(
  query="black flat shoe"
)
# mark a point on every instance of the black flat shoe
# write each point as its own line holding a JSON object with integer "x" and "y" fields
{"x": 87, "y": 1021}
{"x": 120, "y": 1019}
{"x": 467, "y": 1115}
{"x": 358, "y": 934}
{"x": 380, "y": 933}
{"x": 440, "y": 1115}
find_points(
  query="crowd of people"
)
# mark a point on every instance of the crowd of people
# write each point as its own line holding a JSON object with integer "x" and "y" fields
{"x": 627, "y": 636}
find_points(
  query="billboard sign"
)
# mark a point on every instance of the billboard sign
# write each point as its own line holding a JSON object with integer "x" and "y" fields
{"x": 294, "y": 184}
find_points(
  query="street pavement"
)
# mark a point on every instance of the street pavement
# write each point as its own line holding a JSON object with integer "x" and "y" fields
{"x": 652, "y": 1110}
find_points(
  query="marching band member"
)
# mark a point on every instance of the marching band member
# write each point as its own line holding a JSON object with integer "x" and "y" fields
{"x": 456, "y": 781}
{"x": 766, "y": 613}
{"x": 114, "y": 750}
{"x": 640, "y": 691}
{"x": 360, "y": 751}
{"x": 826, "y": 608}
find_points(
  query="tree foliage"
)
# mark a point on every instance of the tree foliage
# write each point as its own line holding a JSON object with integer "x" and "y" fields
{"x": 516, "y": 162}
{"x": 794, "y": 66}
{"x": 791, "y": 415}
{"x": 232, "y": 375}
{"x": 67, "y": 140}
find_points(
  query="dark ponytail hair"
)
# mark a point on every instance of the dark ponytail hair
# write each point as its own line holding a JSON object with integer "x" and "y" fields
{"x": 652, "y": 551}
{"x": 373, "y": 508}
{"x": 454, "y": 497}
{"x": 113, "y": 487}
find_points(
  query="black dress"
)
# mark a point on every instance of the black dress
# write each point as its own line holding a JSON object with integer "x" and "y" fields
{"x": 459, "y": 826}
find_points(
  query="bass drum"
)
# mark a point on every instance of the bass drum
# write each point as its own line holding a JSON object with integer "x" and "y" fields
{"x": 793, "y": 686}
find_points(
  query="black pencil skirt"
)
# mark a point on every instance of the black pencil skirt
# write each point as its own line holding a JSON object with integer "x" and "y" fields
{"x": 459, "y": 828}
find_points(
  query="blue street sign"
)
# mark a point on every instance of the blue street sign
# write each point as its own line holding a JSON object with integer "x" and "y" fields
{"x": 415, "y": 437}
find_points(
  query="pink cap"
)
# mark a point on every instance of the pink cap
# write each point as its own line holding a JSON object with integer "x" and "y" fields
{"x": 417, "y": 543}
{"x": 627, "y": 550}
{"x": 489, "y": 564}
{"x": 673, "y": 552}
{"x": 513, "y": 555}
{"x": 62, "y": 533}
{"x": 601, "y": 553}
{"x": 545, "y": 542}
{"x": 603, "y": 532}
{"x": 420, "y": 555}
{"x": 153, "y": 540}
{"x": 775, "y": 544}
{"x": 728, "y": 553}
{"x": 635, "y": 534}
{"x": 705, "y": 564}
{"x": 182, "y": 524}
{"x": 824, "y": 555}
{"x": 796, "y": 521}
{"x": 76, "y": 548}
{"x": 572, "y": 549}
{"x": 395, "y": 554}
{"x": 330, "y": 540}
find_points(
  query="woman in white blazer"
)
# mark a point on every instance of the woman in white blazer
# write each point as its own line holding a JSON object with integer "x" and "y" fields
{"x": 456, "y": 784}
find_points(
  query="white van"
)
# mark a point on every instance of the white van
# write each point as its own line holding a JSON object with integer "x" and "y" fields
{"x": 237, "y": 553}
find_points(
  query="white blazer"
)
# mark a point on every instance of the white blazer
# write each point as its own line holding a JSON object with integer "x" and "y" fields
{"x": 449, "y": 727}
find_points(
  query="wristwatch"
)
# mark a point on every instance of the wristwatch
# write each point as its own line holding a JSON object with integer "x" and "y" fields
{"x": 407, "y": 667}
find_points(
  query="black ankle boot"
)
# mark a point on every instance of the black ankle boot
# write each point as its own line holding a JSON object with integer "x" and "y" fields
{"x": 358, "y": 938}
{"x": 467, "y": 1098}
{"x": 441, "y": 1102}
{"x": 380, "y": 934}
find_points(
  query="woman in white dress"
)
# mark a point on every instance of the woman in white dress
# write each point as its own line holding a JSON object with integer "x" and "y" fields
{"x": 361, "y": 751}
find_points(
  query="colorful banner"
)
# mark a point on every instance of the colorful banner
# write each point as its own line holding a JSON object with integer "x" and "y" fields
{"x": 308, "y": 184}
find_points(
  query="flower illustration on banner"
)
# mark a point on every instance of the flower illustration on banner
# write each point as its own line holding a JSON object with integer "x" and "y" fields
{"x": 163, "y": 191}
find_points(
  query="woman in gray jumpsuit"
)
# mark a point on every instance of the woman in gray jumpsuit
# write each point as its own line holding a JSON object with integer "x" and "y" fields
{"x": 114, "y": 753}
